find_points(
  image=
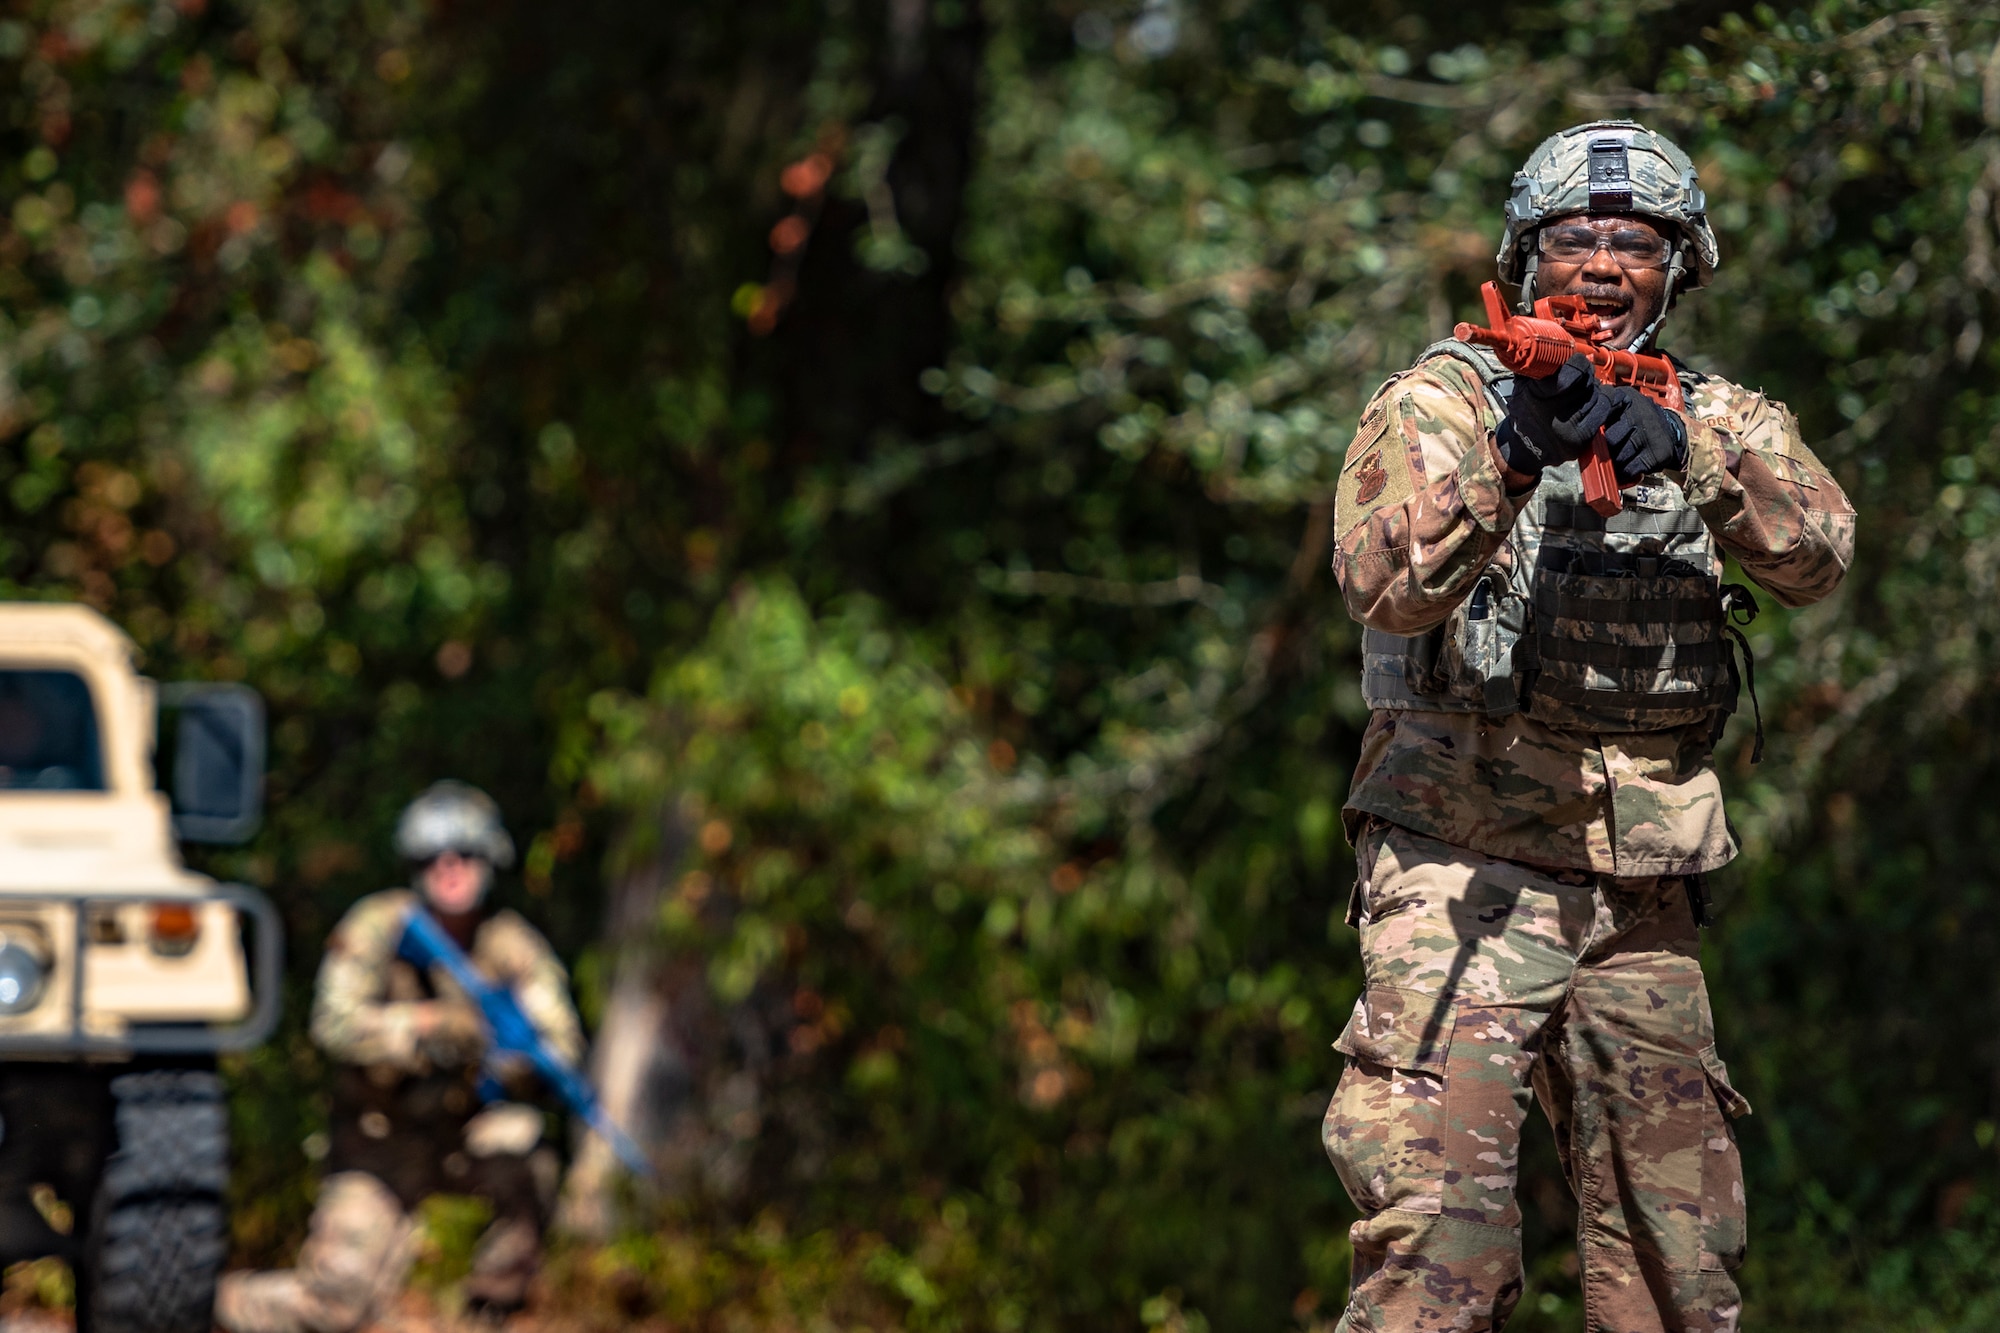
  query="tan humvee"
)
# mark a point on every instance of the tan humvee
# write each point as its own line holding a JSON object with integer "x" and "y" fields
{"x": 122, "y": 973}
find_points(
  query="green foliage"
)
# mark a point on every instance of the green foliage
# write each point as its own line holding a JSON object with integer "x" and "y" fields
{"x": 974, "y": 1014}
{"x": 760, "y": 1276}
{"x": 945, "y": 568}
{"x": 38, "y": 1284}
{"x": 448, "y": 1231}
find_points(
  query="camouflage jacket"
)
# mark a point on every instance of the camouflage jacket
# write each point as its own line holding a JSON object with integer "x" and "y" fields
{"x": 1423, "y": 509}
{"x": 365, "y": 1007}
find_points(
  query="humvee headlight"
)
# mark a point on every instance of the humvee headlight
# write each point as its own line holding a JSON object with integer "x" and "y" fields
{"x": 21, "y": 978}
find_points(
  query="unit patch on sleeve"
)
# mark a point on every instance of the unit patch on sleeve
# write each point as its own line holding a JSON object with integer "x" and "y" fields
{"x": 1376, "y": 472}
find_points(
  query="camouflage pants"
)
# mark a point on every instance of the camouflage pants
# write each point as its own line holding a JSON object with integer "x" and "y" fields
{"x": 355, "y": 1258}
{"x": 362, "y": 1239}
{"x": 1486, "y": 981}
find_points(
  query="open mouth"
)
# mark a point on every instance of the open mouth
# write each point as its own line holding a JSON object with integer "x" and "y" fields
{"x": 1609, "y": 312}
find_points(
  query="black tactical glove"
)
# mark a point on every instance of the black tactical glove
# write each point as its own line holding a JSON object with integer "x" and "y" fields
{"x": 1643, "y": 436}
{"x": 1552, "y": 420}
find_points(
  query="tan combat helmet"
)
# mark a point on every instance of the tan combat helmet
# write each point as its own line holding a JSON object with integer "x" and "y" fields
{"x": 1610, "y": 166}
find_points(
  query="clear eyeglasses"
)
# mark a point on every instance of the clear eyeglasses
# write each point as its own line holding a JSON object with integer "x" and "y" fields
{"x": 1631, "y": 247}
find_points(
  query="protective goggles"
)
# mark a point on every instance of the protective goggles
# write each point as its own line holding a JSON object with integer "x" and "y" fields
{"x": 430, "y": 859}
{"x": 1631, "y": 247}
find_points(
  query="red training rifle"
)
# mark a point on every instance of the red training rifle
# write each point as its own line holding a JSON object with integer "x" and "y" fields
{"x": 1537, "y": 345}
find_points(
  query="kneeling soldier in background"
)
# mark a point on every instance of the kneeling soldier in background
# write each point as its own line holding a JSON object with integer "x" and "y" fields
{"x": 407, "y": 1120}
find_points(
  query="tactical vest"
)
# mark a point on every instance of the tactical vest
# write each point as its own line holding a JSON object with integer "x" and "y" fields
{"x": 1580, "y": 622}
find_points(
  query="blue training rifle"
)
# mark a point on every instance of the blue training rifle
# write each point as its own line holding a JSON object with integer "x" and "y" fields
{"x": 424, "y": 945}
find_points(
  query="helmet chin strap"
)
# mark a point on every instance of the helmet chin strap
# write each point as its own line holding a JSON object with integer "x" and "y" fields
{"x": 1531, "y": 262}
{"x": 1675, "y": 272}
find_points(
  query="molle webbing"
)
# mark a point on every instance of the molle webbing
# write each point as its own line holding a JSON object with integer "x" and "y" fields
{"x": 1397, "y": 672}
{"x": 1628, "y": 610}
{"x": 1636, "y": 703}
{"x": 1632, "y": 656}
{"x": 1625, "y": 639}
{"x": 1626, "y": 522}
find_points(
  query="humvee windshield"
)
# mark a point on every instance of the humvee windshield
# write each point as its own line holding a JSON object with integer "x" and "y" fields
{"x": 48, "y": 733}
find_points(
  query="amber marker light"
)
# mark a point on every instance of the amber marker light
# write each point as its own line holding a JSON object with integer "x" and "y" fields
{"x": 175, "y": 929}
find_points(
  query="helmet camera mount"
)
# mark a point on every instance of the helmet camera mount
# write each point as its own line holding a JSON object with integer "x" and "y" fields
{"x": 1610, "y": 175}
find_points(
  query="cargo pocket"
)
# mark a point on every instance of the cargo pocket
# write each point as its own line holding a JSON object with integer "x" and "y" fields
{"x": 1795, "y": 471}
{"x": 1367, "y": 846}
{"x": 1732, "y": 1103}
{"x": 1385, "y": 1128}
{"x": 1722, "y": 1197}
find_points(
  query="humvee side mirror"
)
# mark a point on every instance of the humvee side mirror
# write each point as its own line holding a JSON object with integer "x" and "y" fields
{"x": 218, "y": 761}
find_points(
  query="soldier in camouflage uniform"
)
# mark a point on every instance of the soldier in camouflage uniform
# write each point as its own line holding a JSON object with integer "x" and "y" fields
{"x": 407, "y": 1121}
{"x": 1535, "y": 805}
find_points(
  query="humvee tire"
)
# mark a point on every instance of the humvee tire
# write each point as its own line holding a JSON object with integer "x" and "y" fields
{"x": 158, "y": 1226}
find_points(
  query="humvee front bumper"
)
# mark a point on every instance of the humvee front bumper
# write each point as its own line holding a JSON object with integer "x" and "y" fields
{"x": 116, "y": 975}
